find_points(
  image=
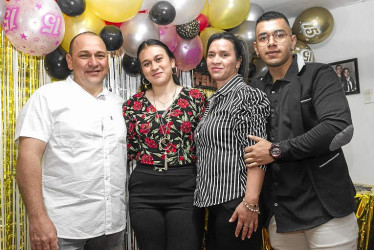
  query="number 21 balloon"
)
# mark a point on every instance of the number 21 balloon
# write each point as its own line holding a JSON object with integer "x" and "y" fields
{"x": 35, "y": 27}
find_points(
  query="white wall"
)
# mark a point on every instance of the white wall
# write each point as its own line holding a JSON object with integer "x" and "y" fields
{"x": 353, "y": 37}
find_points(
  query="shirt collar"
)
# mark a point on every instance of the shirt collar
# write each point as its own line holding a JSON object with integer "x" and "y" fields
{"x": 71, "y": 81}
{"x": 296, "y": 67}
{"x": 227, "y": 88}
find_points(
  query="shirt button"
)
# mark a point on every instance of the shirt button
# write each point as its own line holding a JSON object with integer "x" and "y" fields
{"x": 272, "y": 110}
{"x": 106, "y": 157}
{"x": 275, "y": 204}
{"x": 273, "y": 92}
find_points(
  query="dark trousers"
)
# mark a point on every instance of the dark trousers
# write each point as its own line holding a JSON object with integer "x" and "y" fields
{"x": 162, "y": 214}
{"x": 221, "y": 232}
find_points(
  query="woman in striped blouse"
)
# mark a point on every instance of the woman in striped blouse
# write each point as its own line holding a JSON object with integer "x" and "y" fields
{"x": 225, "y": 186}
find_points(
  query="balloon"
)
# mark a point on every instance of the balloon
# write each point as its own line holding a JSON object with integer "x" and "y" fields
{"x": 255, "y": 11}
{"x": 131, "y": 65}
{"x": 313, "y": 25}
{"x": 205, "y": 10}
{"x": 206, "y": 34}
{"x": 162, "y": 13}
{"x": 168, "y": 35}
{"x": 72, "y": 7}
{"x": 203, "y": 21}
{"x": 115, "y": 10}
{"x": 188, "y": 30}
{"x": 188, "y": 53}
{"x": 2, "y": 9}
{"x": 146, "y": 4}
{"x": 227, "y": 14}
{"x": 202, "y": 66}
{"x": 186, "y": 10}
{"x": 136, "y": 30}
{"x": 55, "y": 64}
{"x": 246, "y": 31}
{"x": 35, "y": 27}
{"x": 261, "y": 67}
{"x": 112, "y": 37}
{"x": 304, "y": 51}
{"x": 85, "y": 22}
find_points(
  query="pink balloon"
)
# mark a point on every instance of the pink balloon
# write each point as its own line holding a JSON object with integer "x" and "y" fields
{"x": 188, "y": 53}
{"x": 35, "y": 27}
{"x": 168, "y": 35}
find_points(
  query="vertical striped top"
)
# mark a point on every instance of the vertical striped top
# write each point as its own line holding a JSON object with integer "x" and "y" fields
{"x": 234, "y": 112}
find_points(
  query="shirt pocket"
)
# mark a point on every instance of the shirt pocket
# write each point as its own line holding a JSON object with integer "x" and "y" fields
{"x": 76, "y": 130}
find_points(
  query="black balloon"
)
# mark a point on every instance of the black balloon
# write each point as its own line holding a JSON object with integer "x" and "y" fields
{"x": 131, "y": 65}
{"x": 112, "y": 37}
{"x": 188, "y": 30}
{"x": 162, "y": 13}
{"x": 55, "y": 64}
{"x": 202, "y": 67}
{"x": 72, "y": 7}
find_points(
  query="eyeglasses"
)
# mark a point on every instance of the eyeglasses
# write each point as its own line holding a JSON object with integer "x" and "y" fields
{"x": 279, "y": 36}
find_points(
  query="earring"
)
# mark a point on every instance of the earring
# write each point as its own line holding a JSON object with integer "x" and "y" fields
{"x": 174, "y": 71}
{"x": 147, "y": 85}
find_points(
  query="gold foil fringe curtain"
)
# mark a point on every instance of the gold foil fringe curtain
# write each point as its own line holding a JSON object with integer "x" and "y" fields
{"x": 21, "y": 75}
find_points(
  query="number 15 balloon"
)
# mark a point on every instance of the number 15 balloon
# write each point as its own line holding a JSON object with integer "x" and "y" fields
{"x": 35, "y": 27}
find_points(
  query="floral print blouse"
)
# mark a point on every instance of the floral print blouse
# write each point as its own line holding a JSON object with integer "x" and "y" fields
{"x": 152, "y": 134}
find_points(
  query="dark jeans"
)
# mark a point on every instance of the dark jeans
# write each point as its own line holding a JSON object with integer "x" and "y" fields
{"x": 162, "y": 214}
{"x": 221, "y": 232}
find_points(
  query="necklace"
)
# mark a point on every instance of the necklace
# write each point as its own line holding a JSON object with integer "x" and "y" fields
{"x": 164, "y": 104}
{"x": 165, "y": 141}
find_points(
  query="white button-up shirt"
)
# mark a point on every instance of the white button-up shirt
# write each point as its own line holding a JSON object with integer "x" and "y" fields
{"x": 84, "y": 163}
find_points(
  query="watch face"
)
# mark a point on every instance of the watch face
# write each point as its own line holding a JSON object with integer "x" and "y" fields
{"x": 275, "y": 151}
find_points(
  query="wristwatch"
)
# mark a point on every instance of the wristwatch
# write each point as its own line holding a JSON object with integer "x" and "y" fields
{"x": 275, "y": 151}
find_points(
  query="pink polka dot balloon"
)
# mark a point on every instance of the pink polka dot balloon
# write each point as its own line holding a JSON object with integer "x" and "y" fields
{"x": 35, "y": 27}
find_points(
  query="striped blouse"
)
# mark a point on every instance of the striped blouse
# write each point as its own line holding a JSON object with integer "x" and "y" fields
{"x": 234, "y": 112}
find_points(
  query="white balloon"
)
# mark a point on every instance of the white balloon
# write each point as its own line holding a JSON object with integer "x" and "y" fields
{"x": 255, "y": 11}
{"x": 186, "y": 10}
{"x": 147, "y": 4}
{"x": 2, "y": 9}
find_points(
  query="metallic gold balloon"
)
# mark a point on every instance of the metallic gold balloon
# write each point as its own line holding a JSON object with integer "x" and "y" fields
{"x": 114, "y": 10}
{"x": 206, "y": 34}
{"x": 227, "y": 14}
{"x": 313, "y": 25}
{"x": 304, "y": 51}
{"x": 76, "y": 25}
{"x": 205, "y": 10}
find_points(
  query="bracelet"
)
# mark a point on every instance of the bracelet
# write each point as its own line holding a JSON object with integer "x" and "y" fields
{"x": 250, "y": 207}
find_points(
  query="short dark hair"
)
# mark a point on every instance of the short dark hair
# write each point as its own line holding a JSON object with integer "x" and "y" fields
{"x": 240, "y": 48}
{"x": 338, "y": 65}
{"x": 270, "y": 15}
{"x": 74, "y": 38}
{"x": 143, "y": 46}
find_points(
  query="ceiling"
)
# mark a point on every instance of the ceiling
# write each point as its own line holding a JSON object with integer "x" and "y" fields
{"x": 292, "y": 8}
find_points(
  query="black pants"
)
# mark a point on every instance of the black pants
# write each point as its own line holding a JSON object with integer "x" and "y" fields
{"x": 162, "y": 214}
{"x": 221, "y": 232}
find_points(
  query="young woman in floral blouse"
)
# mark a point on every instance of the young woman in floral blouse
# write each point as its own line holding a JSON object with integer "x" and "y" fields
{"x": 161, "y": 120}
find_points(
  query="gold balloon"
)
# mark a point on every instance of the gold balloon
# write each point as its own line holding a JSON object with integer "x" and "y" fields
{"x": 313, "y": 25}
{"x": 205, "y": 10}
{"x": 227, "y": 14}
{"x": 206, "y": 34}
{"x": 116, "y": 11}
{"x": 304, "y": 51}
{"x": 87, "y": 21}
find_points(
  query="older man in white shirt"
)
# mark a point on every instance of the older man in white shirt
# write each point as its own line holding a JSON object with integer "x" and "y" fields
{"x": 71, "y": 167}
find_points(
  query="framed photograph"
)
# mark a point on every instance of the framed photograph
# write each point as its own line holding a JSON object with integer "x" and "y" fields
{"x": 347, "y": 72}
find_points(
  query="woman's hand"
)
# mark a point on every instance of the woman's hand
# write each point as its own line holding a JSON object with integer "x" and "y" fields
{"x": 247, "y": 221}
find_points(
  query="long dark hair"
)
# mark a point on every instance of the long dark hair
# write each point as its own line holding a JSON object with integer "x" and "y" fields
{"x": 240, "y": 48}
{"x": 145, "y": 84}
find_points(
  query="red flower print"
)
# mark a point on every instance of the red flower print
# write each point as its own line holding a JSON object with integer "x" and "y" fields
{"x": 190, "y": 137}
{"x": 150, "y": 109}
{"x": 150, "y": 143}
{"x": 124, "y": 108}
{"x": 186, "y": 127}
{"x": 183, "y": 103}
{"x": 144, "y": 128}
{"x": 171, "y": 148}
{"x": 147, "y": 159}
{"x": 139, "y": 94}
{"x": 195, "y": 93}
{"x": 181, "y": 158}
{"x": 176, "y": 113}
{"x": 128, "y": 145}
{"x": 137, "y": 105}
{"x": 128, "y": 103}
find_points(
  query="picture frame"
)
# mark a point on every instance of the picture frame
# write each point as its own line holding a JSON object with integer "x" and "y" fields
{"x": 348, "y": 75}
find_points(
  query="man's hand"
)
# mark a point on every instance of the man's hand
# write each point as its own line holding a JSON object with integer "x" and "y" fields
{"x": 258, "y": 154}
{"x": 43, "y": 234}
